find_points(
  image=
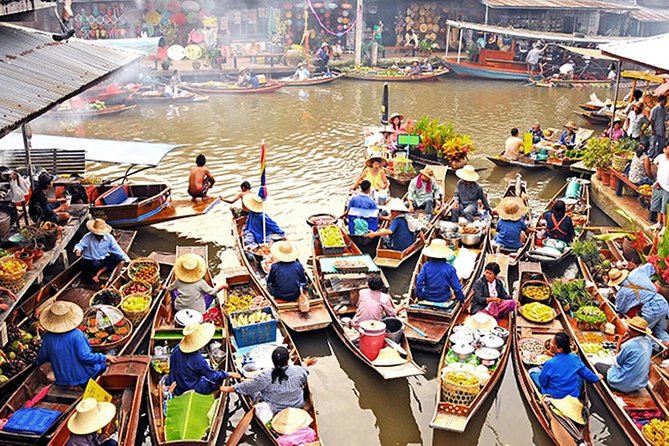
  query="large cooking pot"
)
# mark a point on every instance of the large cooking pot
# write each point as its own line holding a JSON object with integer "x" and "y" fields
{"x": 471, "y": 239}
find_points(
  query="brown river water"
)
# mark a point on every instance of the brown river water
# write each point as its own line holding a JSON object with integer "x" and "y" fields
{"x": 314, "y": 154}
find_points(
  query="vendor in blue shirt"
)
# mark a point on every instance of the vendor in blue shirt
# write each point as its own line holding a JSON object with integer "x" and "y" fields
{"x": 631, "y": 366}
{"x": 362, "y": 211}
{"x": 563, "y": 374}
{"x": 511, "y": 227}
{"x": 397, "y": 237}
{"x": 259, "y": 227}
{"x": 66, "y": 348}
{"x": 188, "y": 368}
{"x": 286, "y": 277}
{"x": 568, "y": 137}
{"x": 438, "y": 281}
{"x": 99, "y": 250}
{"x": 537, "y": 133}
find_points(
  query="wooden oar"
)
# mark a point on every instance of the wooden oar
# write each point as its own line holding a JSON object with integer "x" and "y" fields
{"x": 240, "y": 430}
{"x": 417, "y": 330}
{"x": 126, "y": 406}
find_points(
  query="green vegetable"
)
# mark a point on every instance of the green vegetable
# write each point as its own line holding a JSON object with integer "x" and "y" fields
{"x": 590, "y": 314}
{"x": 186, "y": 417}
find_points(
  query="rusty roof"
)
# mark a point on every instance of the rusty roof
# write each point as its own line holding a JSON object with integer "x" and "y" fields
{"x": 556, "y": 4}
{"x": 37, "y": 73}
{"x": 650, "y": 15}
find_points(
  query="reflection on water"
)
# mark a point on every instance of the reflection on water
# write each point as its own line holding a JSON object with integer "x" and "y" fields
{"x": 313, "y": 155}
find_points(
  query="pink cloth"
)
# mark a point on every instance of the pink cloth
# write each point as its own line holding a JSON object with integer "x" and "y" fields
{"x": 372, "y": 305}
{"x": 499, "y": 310}
{"x": 302, "y": 436}
{"x": 428, "y": 184}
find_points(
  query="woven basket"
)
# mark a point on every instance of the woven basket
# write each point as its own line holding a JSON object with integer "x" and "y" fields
{"x": 536, "y": 283}
{"x": 149, "y": 291}
{"x": 619, "y": 162}
{"x": 92, "y": 302}
{"x": 458, "y": 393}
{"x": 146, "y": 261}
{"x": 136, "y": 316}
{"x": 13, "y": 281}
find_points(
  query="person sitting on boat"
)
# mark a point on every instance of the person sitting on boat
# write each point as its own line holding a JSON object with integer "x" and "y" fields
{"x": 490, "y": 295}
{"x": 426, "y": 66}
{"x": 259, "y": 228}
{"x": 395, "y": 122}
{"x": 323, "y": 58}
{"x": 568, "y": 137}
{"x": 617, "y": 132}
{"x": 279, "y": 388}
{"x": 630, "y": 369}
{"x": 302, "y": 72}
{"x": 189, "y": 290}
{"x": 172, "y": 89}
{"x": 423, "y": 192}
{"x": 337, "y": 50}
{"x": 641, "y": 171}
{"x": 200, "y": 179}
{"x": 438, "y": 281}
{"x": 374, "y": 302}
{"x": 414, "y": 69}
{"x": 566, "y": 70}
{"x": 537, "y": 133}
{"x": 286, "y": 277}
{"x": 66, "y": 347}
{"x": 513, "y": 147}
{"x": 41, "y": 208}
{"x": 374, "y": 173}
{"x": 564, "y": 373}
{"x": 467, "y": 195}
{"x": 245, "y": 188}
{"x": 99, "y": 250}
{"x": 398, "y": 236}
{"x": 511, "y": 227}
{"x": 89, "y": 419}
{"x": 637, "y": 294}
{"x": 362, "y": 211}
{"x": 246, "y": 79}
{"x": 188, "y": 368}
{"x": 559, "y": 224}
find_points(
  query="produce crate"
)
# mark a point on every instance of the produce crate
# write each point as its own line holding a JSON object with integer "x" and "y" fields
{"x": 331, "y": 249}
{"x": 259, "y": 333}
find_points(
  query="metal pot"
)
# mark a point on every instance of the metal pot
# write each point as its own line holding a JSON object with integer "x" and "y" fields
{"x": 493, "y": 342}
{"x": 448, "y": 227}
{"x": 462, "y": 329}
{"x": 471, "y": 239}
{"x": 463, "y": 351}
{"x": 488, "y": 356}
{"x": 461, "y": 338}
{"x": 500, "y": 332}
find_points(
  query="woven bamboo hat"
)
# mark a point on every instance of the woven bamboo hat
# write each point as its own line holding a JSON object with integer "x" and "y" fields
{"x": 189, "y": 268}
{"x": 467, "y": 173}
{"x": 291, "y": 420}
{"x": 437, "y": 249}
{"x": 254, "y": 203}
{"x": 98, "y": 226}
{"x": 616, "y": 276}
{"x": 571, "y": 125}
{"x": 428, "y": 172}
{"x": 196, "y": 336}
{"x": 511, "y": 208}
{"x": 480, "y": 321}
{"x": 396, "y": 115}
{"x": 388, "y": 357}
{"x": 61, "y": 316}
{"x": 284, "y": 251}
{"x": 639, "y": 324}
{"x": 374, "y": 158}
{"x": 90, "y": 416}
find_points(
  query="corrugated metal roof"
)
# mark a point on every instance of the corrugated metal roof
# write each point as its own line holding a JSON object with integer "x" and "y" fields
{"x": 650, "y": 52}
{"x": 555, "y": 4}
{"x": 37, "y": 73}
{"x": 650, "y": 15}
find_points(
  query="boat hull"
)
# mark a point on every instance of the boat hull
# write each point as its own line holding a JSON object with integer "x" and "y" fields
{"x": 466, "y": 69}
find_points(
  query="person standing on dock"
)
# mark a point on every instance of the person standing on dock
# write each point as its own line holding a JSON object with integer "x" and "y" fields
{"x": 467, "y": 195}
{"x": 660, "y": 198}
{"x": 658, "y": 127}
{"x": 99, "y": 250}
{"x": 200, "y": 179}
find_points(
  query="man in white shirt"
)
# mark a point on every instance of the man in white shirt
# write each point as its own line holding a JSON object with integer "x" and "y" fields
{"x": 513, "y": 146}
{"x": 660, "y": 197}
{"x": 533, "y": 57}
{"x": 567, "y": 70}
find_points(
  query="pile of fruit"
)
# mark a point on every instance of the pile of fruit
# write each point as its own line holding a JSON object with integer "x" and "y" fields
{"x": 537, "y": 292}
{"x": 97, "y": 105}
{"x": 401, "y": 164}
{"x": 100, "y": 336}
{"x": 539, "y": 313}
{"x": 143, "y": 271}
{"x": 135, "y": 303}
{"x": 657, "y": 432}
{"x": 91, "y": 180}
{"x": 21, "y": 350}
{"x": 342, "y": 264}
{"x": 6, "y": 300}
{"x": 235, "y": 303}
{"x": 107, "y": 296}
{"x": 590, "y": 315}
{"x": 646, "y": 189}
{"x": 531, "y": 350}
{"x": 331, "y": 237}
{"x": 256, "y": 317}
{"x": 372, "y": 71}
{"x": 136, "y": 287}
{"x": 462, "y": 379}
{"x": 12, "y": 267}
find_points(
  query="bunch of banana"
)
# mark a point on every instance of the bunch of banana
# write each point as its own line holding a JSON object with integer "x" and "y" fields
{"x": 256, "y": 317}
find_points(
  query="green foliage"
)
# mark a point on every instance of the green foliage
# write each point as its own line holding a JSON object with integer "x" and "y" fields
{"x": 599, "y": 152}
{"x": 186, "y": 417}
{"x": 587, "y": 250}
{"x": 425, "y": 46}
{"x": 590, "y": 314}
{"x": 440, "y": 138}
{"x": 572, "y": 292}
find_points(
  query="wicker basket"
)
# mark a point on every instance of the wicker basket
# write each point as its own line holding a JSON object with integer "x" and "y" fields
{"x": 458, "y": 393}
{"x": 149, "y": 290}
{"x": 135, "y": 266}
{"x": 619, "y": 162}
{"x": 536, "y": 283}
{"x": 136, "y": 316}
{"x": 107, "y": 344}
{"x": 13, "y": 281}
{"x": 92, "y": 302}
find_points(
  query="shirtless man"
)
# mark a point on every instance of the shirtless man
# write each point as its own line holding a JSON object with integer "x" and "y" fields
{"x": 200, "y": 179}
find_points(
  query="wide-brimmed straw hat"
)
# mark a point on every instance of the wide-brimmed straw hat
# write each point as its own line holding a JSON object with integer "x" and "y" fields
{"x": 324, "y": 44}
{"x": 90, "y": 416}
{"x": 196, "y": 336}
{"x": 616, "y": 276}
{"x": 467, "y": 173}
{"x": 569, "y": 407}
{"x": 189, "y": 268}
{"x": 571, "y": 125}
{"x": 428, "y": 172}
{"x": 639, "y": 324}
{"x": 480, "y": 321}
{"x": 396, "y": 204}
{"x": 388, "y": 357}
{"x": 242, "y": 69}
{"x": 253, "y": 202}
{"x": 291, "y": 420}
{"x": 98, "y": 226}
{"x": 284, "y": 251}
{"x": 61, "y": 316}
{"x": 373, "y": 158}
{"x": 511, "y": 208}
{"x": 437, "y": 249}
{"x": 396, "y": 115}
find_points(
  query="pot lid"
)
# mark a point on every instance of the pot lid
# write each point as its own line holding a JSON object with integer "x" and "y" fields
{"x": 487, "y": 354}
{"x": 463, "y": 349}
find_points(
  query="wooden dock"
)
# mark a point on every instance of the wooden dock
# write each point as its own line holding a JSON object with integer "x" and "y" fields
{"x": 605, "y": 198}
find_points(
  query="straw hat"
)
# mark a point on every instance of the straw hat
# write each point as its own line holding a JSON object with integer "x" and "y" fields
{"x": 388, "y": 357}
{"x": 254, "y": 203}
{"x": 242, "y": 69}
{"x": 91, "y": 416}
{"x": 396, "y": 204}
{"x": 98, "y": 226}
{"x": 571, "y": 125}
{"x": 396, "y": 115}
{"x": 373, "y": 158}
{"x": 616, "y": 276}
{"x": 617, "y": 119}
{"x": 196, "y": 336}
{"x": 437, "y": 249}
{"x": 61, "y": 316}
{"x": 639, "y": 324}
{"x": 284, "y": 251}
{"x": 324, "y": 44}
{"x": 467, "y": 173}
{"x": 291, "y": 420}
{"x": 428, "y": 172}
{"x": 569, "y": 407}
{"x": 189, "y": 268}
{"x": 480, "y": 321}
{"x": 511, "y": 208}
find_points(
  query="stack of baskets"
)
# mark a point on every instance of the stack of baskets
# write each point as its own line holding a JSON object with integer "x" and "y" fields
{"x": 12, "y": 273}
{"x": 460, "y": 388}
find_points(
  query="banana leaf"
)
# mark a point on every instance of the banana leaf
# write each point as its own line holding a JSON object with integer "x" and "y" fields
{"x": 186, "y": 417}
{"x": 611, "y": 236}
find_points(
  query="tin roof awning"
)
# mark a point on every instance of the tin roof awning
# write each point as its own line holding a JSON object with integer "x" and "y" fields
{"x": 650, "y": 52}
{"x": 99, "y": 150}
{"x": 532, "y": 35}
{"x": 586, "y": 52}
{"x": 37, "y": 73}
{"x": 147, "y": 45}
{"x": 650, "y": 15}
{"x": 555, "y": 4}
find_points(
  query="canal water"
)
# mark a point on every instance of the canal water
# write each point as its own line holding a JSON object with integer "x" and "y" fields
{"x": 313, "y": 156}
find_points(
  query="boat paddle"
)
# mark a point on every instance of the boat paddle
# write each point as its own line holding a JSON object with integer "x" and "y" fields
{"x": 240, "y": 429}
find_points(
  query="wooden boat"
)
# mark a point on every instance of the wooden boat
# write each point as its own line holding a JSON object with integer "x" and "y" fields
{"x": 337, "y": 288}
{"x": 209, "y": 88}
{"x": 560, "y": 430}
{"x": 127, "y": 371}
{"x": 481, "y": 70}
{"x": 593, "y": 118}
{"x": 165, "y": 332}
{"x": 318, "y": 80}
{"x": 573, "y": 83}
{"x": 518, "y": 188}
{"x": 524, "y": 162}
{"x": 25, "y": 315}
{"x": 580, "y": 208}
{"x": 240, "y": 277}
{"x": 112, "y": 110}
{"x": 157, "y": 97}
{"x": 433, "y": 76}
{"x": 318, "y": 316}
{"x": 124, "y": 380}
{"x": 451, "y": 413}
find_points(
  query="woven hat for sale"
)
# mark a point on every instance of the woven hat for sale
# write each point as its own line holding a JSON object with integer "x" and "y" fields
{"x": 291, "y": 420}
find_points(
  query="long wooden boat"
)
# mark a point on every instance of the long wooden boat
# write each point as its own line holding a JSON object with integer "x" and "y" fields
{"x": 451, "y": 413}
{"x": 472, "y": 69}
{"x": 157, "y": 97}
{"x": 561, "y": 431}
{"x": 112, "y": 110}
{"x": 525, "y": 163}
{"x": 24, "y": 317}
{"x": 242, "y": 278}
{"x": 518, "y": 188}
{"x": 433, "y": 76}
{"x": 573, "y": 83}
{"x": 43, "y": 394}
{"x": 214, "y": 88}
{"x": 337, "y": 288}
{"x": 166, "y": 332}
{"x": 124, "y": 380}
{"x": 317, "y": 80}
{"x": 581, "y": 208}
{"x": 318, "y": 316}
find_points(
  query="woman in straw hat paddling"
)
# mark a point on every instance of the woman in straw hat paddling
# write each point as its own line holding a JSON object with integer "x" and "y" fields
{"x": 89, "y": 419}
{"x": 286, "y": 277}
{"x": 190, "y": 290}
{"x": 99, "y": 250}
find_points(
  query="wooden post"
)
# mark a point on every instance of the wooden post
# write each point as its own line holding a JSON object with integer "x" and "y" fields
{"x": 306, "y": 35}
{"x": 359, "y": 28}
{"x": 448, "y": 39}
{"x": 615, "y": 102}
{"x": 459, "y": 46}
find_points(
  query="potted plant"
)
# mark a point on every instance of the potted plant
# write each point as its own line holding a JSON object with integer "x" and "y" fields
{"x": 659, "y": 257}
{"x": 425, "y": 48}
{"x": 572, "y": 294}
{"x": 439, "y": 141}
{"x": 598, "y": 154}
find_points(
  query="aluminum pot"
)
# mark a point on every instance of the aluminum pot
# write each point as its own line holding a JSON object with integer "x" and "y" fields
{"x": 461, "y": 338}
{"x": 487, "y": 356}
{"x": 471, "y": 239}
{"x": 463, "y": 351}
{"x": 500, "y": 332}
{"x": 493, "y": 342}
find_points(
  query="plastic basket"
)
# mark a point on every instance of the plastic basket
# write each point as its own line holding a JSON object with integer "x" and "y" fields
{"x": 136, "y": 265}
{"x": 124, "y": 288}
{"x": 259, "y": 333}
{"x": 13, "y": 281}
{"x": 93, "y": 302}
{"x": 333, "y": 249}
{"x": 458, "y": 393}
{"x": 136, "y": 316}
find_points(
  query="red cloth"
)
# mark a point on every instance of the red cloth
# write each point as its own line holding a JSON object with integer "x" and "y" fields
{"x": 428, "y": 184}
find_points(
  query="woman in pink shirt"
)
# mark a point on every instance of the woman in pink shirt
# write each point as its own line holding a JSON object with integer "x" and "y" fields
{"x": 373, "y": 303}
